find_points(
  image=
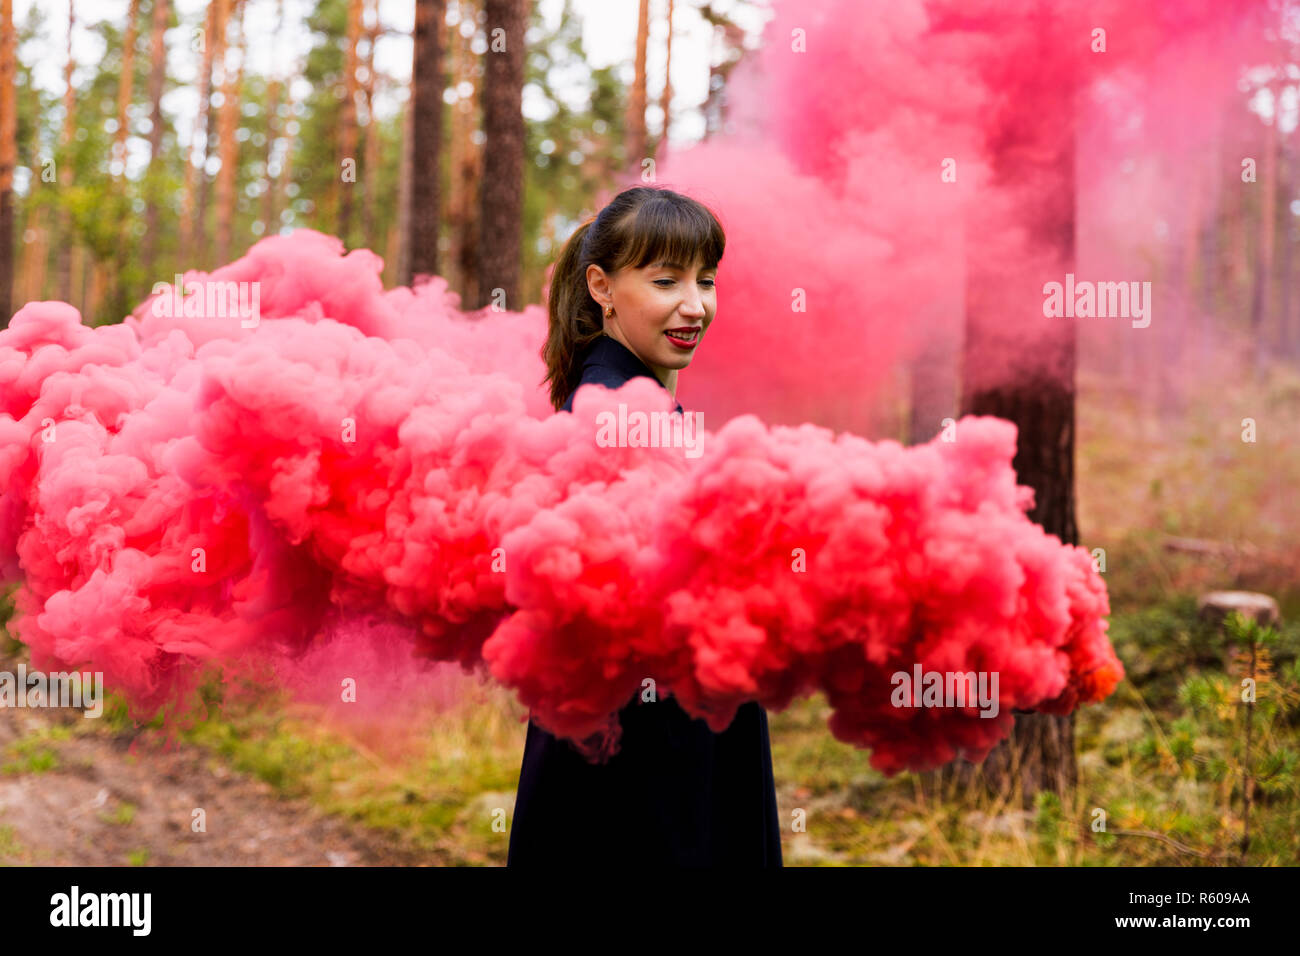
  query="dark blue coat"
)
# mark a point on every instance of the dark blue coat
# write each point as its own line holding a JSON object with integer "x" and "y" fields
{"x": 675, "y": 794}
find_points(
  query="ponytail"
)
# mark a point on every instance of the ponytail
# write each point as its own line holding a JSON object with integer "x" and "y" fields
{"x": 574, "y": 318}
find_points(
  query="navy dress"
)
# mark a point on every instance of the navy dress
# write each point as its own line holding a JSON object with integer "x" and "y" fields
{"x": 675, "y": 794}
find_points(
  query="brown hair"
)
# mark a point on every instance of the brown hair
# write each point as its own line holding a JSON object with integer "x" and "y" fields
{"x": 640, "y": 225}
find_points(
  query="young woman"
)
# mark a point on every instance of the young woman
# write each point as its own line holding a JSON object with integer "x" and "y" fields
{"x": 633, "y": 294}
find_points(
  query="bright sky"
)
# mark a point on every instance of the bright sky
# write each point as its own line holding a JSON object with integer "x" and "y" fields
{"x": 609, "y": 36}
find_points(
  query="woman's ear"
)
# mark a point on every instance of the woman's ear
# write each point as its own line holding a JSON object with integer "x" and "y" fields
{"x": 598, "y": 285}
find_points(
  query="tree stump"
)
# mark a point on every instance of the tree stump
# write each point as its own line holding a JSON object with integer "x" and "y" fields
{"x": 1217, "y": 605}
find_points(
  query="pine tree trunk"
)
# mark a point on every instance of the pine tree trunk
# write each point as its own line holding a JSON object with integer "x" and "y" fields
{"x": 125, "y": 85}
{"x": 64, "y": 264}
{"x": 426, "y": 140}
{"x": 157, "y": 75}
{"x": 30, "y": 279}
{"x": 636, "y": 101}
{"x": 271, "y": 187}
{"x": 666, "y": 97}
{"x": 465, "y": 159}
{"x": 8, "y": 156}
{"x": 399, "y": 239}
{"x": 502, "y": 186}
{"x": 370, "y": 164}
{"x": 344, "y": 188}
{"x": 30, "y": 284}
{"x": 228, "y": 146}
{"x": 192, "y": 208}
{"x": 269, "y": 212}
{"x": 282, "y": 179}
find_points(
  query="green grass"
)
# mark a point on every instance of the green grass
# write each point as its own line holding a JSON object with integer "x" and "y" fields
{"x": 438, "y": 795}
{"x": 32, "y": 754}
{"x": 123, "y": 815}
{"x": 10, "y": 848}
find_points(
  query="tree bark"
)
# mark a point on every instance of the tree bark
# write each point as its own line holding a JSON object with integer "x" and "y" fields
{"x": 269, "y": 211}
{"x": 370, "y": 164}
{"x": 399, "y": 240}
{"x": 64, "y": 266}
{"x": 157, "y": 75}
{"x": 636, "y": 102}
{"x": 192, "y": 209}
{"x": 8, "y": 155}
{"x": 348, "y": 123}
{"x": 502, "y": 186}
{"x": 465, "y": 159}
{"x": 281, "y": 186}
{"x": 666, "y": 97}
{"x": 125, "y": 85}
{"x": 228, "y": 146}
{"x": 426, "y": 139}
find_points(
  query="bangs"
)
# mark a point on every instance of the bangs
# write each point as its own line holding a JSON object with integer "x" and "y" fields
{"x": 664, "y": 230}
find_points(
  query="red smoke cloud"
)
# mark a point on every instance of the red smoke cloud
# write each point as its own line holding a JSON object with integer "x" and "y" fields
{"x": 181, "y": 491}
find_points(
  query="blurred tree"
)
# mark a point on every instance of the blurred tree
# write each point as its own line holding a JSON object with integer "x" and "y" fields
{"x": 731, "y": 36}
{"x": 464, "y": 151}
{"x": 227, "y": 134}
{"x": 192, "y": 224}
{"x": 157, "y": 78}
{"x": 218, "y": 39}
{"x": 124, "y": 89}
{"x": 427, "y": 83}
{"x": 370, "y": 161}
{"x": 64, "y": 162}
{"x": 8, "y": 152}
{"x": 344, "y": 178}
{"x": 666, "y": 96}
{"x": 122, "y": 250}
{"x": 316, "y": 149}
{"x": 274, "y": 126}
{"x": 501, "y": 188}
{"x": 33, "y": 211}
{"x": 634, "y": 127}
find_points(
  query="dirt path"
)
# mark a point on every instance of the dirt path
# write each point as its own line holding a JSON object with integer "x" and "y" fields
{"x": 89, "y": 800}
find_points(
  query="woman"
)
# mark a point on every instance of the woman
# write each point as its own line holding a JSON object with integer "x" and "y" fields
{"x": 633, "y": 294}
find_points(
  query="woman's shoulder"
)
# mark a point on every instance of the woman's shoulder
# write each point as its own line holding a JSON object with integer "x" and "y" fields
{"x": 596, "y": 373}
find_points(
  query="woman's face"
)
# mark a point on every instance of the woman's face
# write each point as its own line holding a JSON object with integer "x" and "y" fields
{"x": 651, "y": 302}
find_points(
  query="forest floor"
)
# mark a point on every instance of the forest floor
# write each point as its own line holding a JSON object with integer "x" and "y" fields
{"x": 119, "y": 798}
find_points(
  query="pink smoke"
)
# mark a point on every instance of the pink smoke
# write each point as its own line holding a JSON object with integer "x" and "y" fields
{"x": 829, "y": 181}
{"x": 187, "y": 491}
